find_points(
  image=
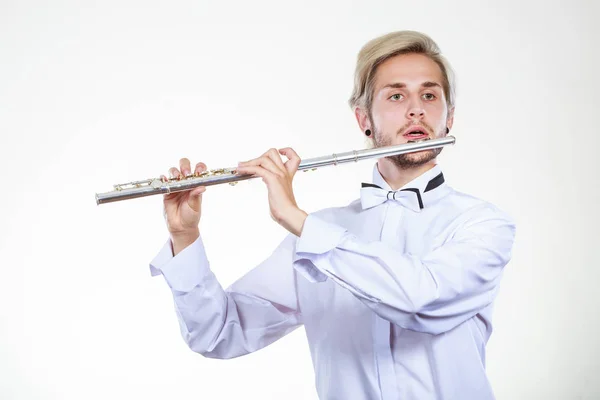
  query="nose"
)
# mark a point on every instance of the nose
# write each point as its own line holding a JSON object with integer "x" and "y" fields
{"x": 415, "y": 111}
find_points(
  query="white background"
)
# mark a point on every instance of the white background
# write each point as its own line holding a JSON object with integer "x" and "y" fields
{"x": 98, "y": 93}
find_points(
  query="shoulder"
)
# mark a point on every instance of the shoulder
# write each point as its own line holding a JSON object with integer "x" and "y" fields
{"x": 474, "y": 214}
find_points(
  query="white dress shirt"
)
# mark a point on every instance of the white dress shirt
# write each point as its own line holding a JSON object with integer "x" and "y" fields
{"x": 395, "y": 292}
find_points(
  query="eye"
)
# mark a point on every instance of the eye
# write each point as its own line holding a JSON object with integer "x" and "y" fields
{"x": 395, "y": 96}
{"x": 430, "y": 98}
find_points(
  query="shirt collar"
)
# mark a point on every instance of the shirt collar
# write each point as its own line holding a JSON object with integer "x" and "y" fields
{"x": 430, "y": 184}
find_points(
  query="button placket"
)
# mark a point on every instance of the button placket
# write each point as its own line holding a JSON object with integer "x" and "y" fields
{"x": 382, "y": 327}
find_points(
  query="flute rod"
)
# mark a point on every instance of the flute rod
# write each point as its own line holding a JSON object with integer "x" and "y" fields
{"x": 156, "y": 186}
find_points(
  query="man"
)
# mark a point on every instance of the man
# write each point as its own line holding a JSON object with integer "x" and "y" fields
{"x": 395, "y": 290}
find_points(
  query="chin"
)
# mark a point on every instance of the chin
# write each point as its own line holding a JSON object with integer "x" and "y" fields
{"x": 413, "y": 160}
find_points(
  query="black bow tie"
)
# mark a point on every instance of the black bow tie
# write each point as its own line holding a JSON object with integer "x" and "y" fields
{"x": 372, "y": 195}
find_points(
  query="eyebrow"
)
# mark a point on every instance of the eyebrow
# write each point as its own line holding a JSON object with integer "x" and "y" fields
{"x": 401, "y": 85}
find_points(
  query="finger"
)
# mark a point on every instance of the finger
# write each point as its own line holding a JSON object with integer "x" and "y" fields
{"x": 184, "y": 166}
{"x": 254, "y": 161}
{"x": 200, "y": 167}
{"x": 293, "y": 160}
{"x": 289, "y": 153}
{"x": 265, "y": 162}
{"x": 268, "y": 164}
{"x": 256, "y": 170}
{"x": 273, "y": 154}
{"x": 174, "y": 172}
{"x": 198, "y": 191}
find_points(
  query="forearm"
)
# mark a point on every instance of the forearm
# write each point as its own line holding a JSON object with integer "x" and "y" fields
{"x": 430, "y": 292}
{"x": 227, "y": 323}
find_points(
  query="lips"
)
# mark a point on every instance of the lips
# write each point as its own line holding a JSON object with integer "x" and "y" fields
{"x": 416, "y": 132}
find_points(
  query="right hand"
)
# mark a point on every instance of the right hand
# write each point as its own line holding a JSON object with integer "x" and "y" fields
{"x": 182, "y": 209}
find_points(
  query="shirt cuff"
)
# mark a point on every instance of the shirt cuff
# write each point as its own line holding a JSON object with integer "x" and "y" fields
{"x": 184, "y": 271}
{"x": 318, "y": 237}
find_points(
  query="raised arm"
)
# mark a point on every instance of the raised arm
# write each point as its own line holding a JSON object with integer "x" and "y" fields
{"x": 258, "y": 309}
{"x": 430, "y": 293}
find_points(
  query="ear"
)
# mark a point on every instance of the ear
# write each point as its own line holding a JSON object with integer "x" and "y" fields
{"x": 362, "y": 118}
{"x": 450, "y": 118}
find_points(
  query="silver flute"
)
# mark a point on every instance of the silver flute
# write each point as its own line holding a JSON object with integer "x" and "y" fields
{"x": 149, "y": 187}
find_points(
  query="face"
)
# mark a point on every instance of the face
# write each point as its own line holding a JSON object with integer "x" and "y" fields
{"x": 407, "y": 94}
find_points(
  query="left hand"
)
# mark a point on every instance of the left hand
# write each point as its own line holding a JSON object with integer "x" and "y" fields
{"x": 278, "y": 177}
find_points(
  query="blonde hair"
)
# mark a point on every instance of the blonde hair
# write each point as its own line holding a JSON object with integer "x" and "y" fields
{"x": 377, "y": 50}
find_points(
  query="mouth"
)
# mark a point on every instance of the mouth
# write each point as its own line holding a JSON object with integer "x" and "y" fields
{"x": 416, "y": 134}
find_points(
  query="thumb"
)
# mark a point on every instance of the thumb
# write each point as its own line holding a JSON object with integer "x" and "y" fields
{"x": 293, "y": 160}
{"x": 293, "y": 166}
{"x": 195, "y": 198}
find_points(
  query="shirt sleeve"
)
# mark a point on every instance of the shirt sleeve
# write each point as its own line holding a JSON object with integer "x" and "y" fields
{"x": 258, "y": 309}
{"x": 430, "y": 293}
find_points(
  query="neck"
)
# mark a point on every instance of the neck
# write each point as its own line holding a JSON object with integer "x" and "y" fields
{"x": 397, "y": 177}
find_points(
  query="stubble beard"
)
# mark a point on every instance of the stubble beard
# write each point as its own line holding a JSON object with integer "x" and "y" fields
{"x": 408, "y": 160}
